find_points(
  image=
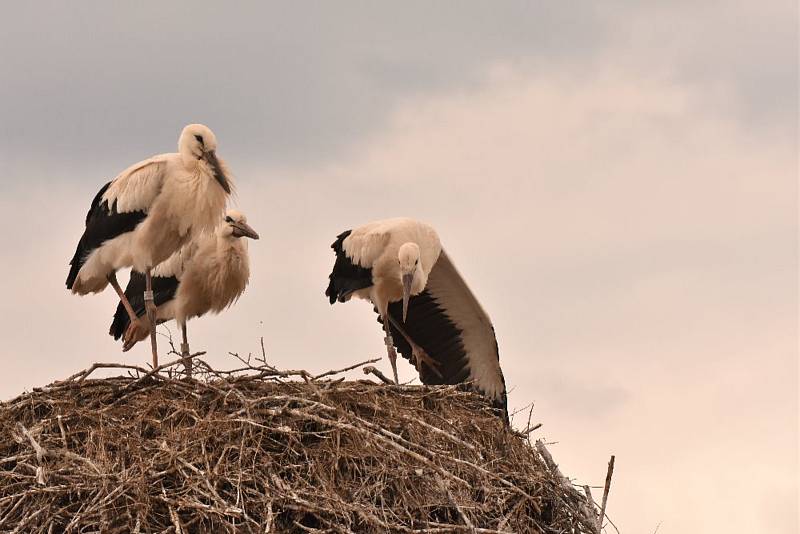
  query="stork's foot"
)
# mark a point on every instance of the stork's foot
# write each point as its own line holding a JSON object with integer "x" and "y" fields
{"x": 420, "y": 356}
{"x": 187, "y": 359}
{"x": 137, "y": 331}
{"x": 392, "y": 357}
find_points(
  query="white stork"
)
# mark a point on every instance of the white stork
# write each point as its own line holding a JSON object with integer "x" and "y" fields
{"x": 428, "y": 311}
{"x": 207, "y": 275}
{"x": 147, "y": 213}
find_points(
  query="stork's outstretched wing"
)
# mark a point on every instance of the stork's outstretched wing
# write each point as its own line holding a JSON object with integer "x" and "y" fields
{"x": 448, "y": 322}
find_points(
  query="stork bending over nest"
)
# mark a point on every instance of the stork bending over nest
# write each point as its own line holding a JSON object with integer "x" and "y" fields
{"x": 427, "y": 310}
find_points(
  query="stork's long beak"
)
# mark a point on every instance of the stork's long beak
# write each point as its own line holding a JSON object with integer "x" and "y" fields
{"x": 211, "y": 158}
{"x": 407, "y": 279}
{"x": 242, "y": 229}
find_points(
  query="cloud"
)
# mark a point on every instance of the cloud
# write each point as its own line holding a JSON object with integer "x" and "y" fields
{"x": 96, "y": 84}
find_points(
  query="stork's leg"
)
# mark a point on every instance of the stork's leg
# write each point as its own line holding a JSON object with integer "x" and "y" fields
{"x": 390, "y": 346}
{"x": 185, "y": 354}
{"x": 420, "y": 356}
{"x": 150, "y": 306}
{"x": 112, "y": 279}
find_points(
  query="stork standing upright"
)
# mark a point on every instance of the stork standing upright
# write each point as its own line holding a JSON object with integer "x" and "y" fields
{"x": 207, "y": 275}
{"x": 427, "y": 310}
{"x": 147, "y": 213}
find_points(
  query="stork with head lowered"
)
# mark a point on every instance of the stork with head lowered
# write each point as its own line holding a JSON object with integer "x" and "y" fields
{"x": 427, "y": 310}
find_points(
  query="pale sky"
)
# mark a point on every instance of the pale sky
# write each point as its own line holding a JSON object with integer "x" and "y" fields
{"x": 616, "y": 181}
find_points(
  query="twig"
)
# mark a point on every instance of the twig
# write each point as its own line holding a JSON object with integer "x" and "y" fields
{"x": 455, "y": 504}
{"x": 607, "y": 487}
{"x": 153, "y": 372}
{"x": 370, "y": 370}
{"x": 41, "y": 452}
{"x": 529, "y": 429}
{"x": 564, "y": 481}
{"x": 588, "y": 491}
{"x": 63, "y": 432}
{"x": 348, "y": 368}
{"x": 81, "y": 376}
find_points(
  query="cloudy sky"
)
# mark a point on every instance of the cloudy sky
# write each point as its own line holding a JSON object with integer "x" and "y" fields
{"x": 617, "y": 181}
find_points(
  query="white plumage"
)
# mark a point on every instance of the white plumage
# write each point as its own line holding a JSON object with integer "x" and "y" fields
{"x": 428, "y": 310}
{"x": 207, "y": 275}
{"x": 149, "y": 211}
{"x": 377, "y": 246}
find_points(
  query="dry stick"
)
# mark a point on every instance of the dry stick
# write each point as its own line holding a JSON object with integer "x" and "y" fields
{"x": 173, "y": 516}
{"x": 388, "y": 441}
{"x": 515, "y": 412}
{"x": 380, "y": 432}
{"x": 441, "y": 432}
{"x": 30, "y": 518}
{"x": 452, "y": 499}
{"x": 565, "y": 483}
{"x": 153, "y": 372}
{"x": 81, "y": 376}
{"x": 41, "y": 452}
{"x": 607, "y": 488}
{"x": 528, "y": 429}
{"x": 588, "y": 491}
{"x": 370, "y": 370}
{"x": 348, "y": 368}
{"x": 525, "y": 433}
{"x": 264, "y": 356}
{"x": 63, "y": 432}
{"x": 449, "y": 528}
{"x": 12, "y": 510}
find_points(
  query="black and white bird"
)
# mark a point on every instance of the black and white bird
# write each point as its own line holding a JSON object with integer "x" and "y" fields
{"x": 147, "y": 213}
{"x": 427, "y": 309}
{"x": 207, "y": 275}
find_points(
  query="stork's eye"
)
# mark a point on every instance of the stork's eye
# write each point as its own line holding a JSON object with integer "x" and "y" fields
{"x": 199, "y": 138}
{"x": 228, "y": 219}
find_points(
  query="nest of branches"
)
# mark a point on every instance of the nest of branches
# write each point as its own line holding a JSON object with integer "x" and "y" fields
{"x": 262, "y": 450}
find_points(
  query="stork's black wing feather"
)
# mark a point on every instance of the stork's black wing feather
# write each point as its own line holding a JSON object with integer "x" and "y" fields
{"x": 164, "y": 288}
{"x": 431, "y": 329}
{"x": 437, "y": 320}
{"x": 103, "y": 222}
{"x": 428, "y": 325}
{"x": 346, "y": 276}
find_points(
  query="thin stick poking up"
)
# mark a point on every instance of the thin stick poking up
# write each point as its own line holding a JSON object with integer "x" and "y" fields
{"x": 348, "y": 368}
{"x": 607, "y": 488}
{"x": 370, "y": 370}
